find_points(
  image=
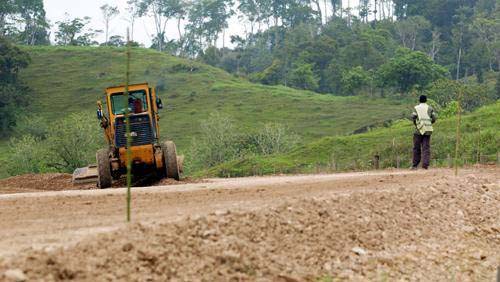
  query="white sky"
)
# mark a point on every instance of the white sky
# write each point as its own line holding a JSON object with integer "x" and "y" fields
{"x": 143, "y": 29}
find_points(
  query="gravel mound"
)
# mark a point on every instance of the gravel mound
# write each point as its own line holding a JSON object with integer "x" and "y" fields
{"x": 449, "y": 230}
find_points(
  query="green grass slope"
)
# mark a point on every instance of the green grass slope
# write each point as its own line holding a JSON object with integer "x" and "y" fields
{"x": 480, "y": 133}
{"x": 70, "y": 79}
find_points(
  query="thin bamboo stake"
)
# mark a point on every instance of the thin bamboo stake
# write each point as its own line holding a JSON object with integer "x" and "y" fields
{"x": 127, "y": 128}
{"x": 479, "y": 144}
{"x": 459, "y": 119}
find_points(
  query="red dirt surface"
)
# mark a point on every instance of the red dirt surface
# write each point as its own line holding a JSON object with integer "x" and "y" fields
{"x": 382, "y": 226}
{"x": 40, "y": 182}
{"x": 62, "y": 182}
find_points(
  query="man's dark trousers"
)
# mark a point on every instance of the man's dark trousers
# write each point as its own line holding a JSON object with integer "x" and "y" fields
{"x": 421, "y": 143}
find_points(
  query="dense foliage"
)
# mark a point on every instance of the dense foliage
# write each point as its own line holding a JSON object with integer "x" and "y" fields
{"x": 62, "y": 146}
{"x": 13, "y": 93}
{"x": 24, "y": 21}
{"x": 400, "y": 48}
{"x": 327, "y": 46}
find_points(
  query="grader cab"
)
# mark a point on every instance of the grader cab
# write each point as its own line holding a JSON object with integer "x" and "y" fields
{"x": 147, "y": 154}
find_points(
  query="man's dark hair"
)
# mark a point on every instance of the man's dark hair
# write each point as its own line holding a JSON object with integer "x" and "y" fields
{"x": 423, "y": 99}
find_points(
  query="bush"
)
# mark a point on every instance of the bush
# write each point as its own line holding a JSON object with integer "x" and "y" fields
{"x": 303, "y": 77}
{"x": 220, "y": 142}
{"x": 274, "y": 138}
{"x": 272, "y": 75}
{"x": 73, "y": 142}
{"x": 450, "y": 110}
{"x": 445, "y": 91}
{"x": 410, "y": 69}
{"x": 26, "y": 156}
{"x": 58, "y": 147}
{"x": 216, "y": 142}
{"x": 35, "y": 126}
{"x": 354, "y": 79}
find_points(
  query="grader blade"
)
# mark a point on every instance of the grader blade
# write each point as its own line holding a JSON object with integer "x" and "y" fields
{"x": 84, "y": 175}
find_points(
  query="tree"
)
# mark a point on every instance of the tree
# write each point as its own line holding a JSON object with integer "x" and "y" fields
{"x": 211, "y": 56}
{"x": 74, "y": 32}
{"x": 445, "y": 91}
{"x": 250, "y": 10}
{"x": 12, "y": 90}
{"x": 178, "y": 9}
{"x": 32, "y": 13}
{"x": 460, "y": 32}
{"x": 116, "y": 41}
{"x": 435, "y": 44}
{"x": 24, "y": 21}
{"x": 410, "y": 29}
{"x": 497, "y": 87}
{"x": 303, "y": 77}
{"x": 7, "y": 8}
{"x": 364, "y": 10}
{"x": 318, "y": 11}
{"x": 354, "y": 79}
{"x": 297, "y": 12}
{"x": 162, "y": 11}
{"x": 478, "y": 59}
{"x": 410, "y": 69}
{"x": 336, "y": 7}
{"x": 271, "y": 75}
{"x": 487, "y": 32}
{"x": 208, "y": 18}
{"x": 108, "y": 14}
{"x": 158, "y": 9}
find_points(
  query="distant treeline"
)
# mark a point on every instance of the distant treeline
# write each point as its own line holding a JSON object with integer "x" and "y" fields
{"x": 320, "y": 45}
{"x": 378, "y": 47}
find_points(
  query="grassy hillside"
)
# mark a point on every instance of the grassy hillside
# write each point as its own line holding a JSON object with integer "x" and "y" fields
{"x": 70, "y": 79}
{"x": 357, "y": 151}
{"x": 66, "y": 80}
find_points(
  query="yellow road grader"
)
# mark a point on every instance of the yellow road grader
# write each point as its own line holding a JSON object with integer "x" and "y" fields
{"x": 148, "y": 155}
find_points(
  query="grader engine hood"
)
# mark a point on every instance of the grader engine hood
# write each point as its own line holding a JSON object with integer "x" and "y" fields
{"x": 141, "y": 131}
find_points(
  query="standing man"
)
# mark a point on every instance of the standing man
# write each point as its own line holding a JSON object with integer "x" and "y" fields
{"x": 423, "y": 118}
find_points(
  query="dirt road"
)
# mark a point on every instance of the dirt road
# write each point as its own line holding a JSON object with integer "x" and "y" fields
{"x": 376, "y": 225}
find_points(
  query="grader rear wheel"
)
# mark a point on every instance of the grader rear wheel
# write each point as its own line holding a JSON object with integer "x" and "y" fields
{"x": 103, "y": 169}
{"x": 170, "y": 157}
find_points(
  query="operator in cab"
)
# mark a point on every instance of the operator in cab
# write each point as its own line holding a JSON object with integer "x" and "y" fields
{"x": 135, "y": 105}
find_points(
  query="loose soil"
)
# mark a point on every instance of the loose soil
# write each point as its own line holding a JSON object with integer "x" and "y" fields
{"x": 425, "y": 225}
{"x": 40, "y": 182}
{"x": 63, "y": 182}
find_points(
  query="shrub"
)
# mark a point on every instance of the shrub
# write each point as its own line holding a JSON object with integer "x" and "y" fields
{"x": 58, "y": 147}
{"x": 274, "y": 138}
{"x": 450, "y": 110}
{"x": 220, "y": 142}
{"x": 216, "y": 142}
{"x": 445, "y": 91}
{"x": 35, "y": 126}
{"x": 303, "y": 77}
{"x": 354, "y": 79}
{"x": 73, "y": 142}
{"x": 26, "y": 156}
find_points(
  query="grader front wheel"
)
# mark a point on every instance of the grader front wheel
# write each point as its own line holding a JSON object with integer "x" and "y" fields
{"x": 103, "y": 169}
{"x": 170, "y": 157}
